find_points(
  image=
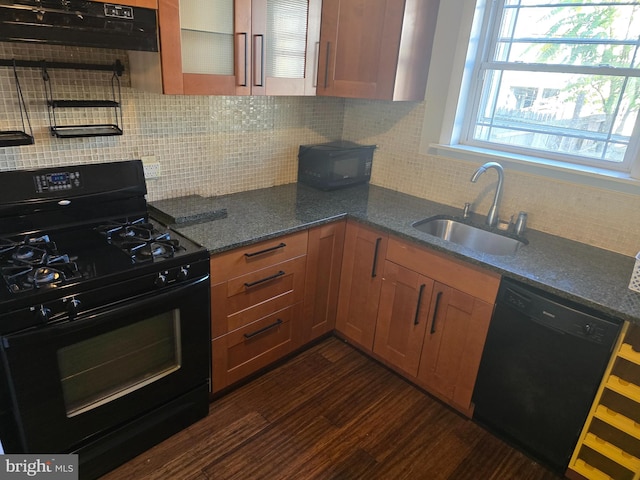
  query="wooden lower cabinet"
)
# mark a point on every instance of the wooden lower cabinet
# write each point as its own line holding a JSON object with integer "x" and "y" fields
{"x": 424, "y": 314}
{"x": 270, "y": 298}
{"x": 402, "y": 317}
{"x": 428, "y": 330}
{"x": 253, "y": 346}
{"x": 360, "y": 283}
{"x": 453, "y": 344}
{"x": 257, "y": 295}
{"x": 324, "y": 261}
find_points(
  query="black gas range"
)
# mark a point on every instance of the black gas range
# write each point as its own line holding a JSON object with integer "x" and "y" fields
{"x": 104, "y": 317}
{"x": 50, "y": 277}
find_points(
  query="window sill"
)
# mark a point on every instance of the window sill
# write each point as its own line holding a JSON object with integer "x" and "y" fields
{"x": 583, "y": 175}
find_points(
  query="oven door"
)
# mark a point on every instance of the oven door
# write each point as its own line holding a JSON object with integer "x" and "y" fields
{"x": 72, "y": 382}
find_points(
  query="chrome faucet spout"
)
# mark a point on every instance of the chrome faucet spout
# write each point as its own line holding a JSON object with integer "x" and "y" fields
{"x": 492, "y": 216}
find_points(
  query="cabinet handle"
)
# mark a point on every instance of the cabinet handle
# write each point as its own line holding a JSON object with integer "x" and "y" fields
{"x": 264, "y": 329}
{"x": 265, "y": 279}
{"x": 435, "y": 313}
{"x": 266, "y": 250}
{"x": 374, "y": 274}
{"x": 326, "y": 67}
{"x": 416, "y": 320}
{"x": 315, "y": 65}
{"x": 244, "y": 34}
{"x": 258, "y": 62}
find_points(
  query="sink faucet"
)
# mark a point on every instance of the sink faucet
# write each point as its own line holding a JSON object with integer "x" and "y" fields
{"x": 492, "y": 216}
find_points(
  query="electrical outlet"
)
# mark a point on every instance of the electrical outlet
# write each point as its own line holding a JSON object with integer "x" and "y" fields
{"x": 151, "y": 167}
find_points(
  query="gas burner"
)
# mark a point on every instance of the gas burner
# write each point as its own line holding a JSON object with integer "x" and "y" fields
{"x": 28, "y": 254}
{"x": 30, "y": 262}
{"x": 46, "y": 275}
{"x": 119, "y": 231}
{"x": 140, "y": 239}
{"x": 26, "y": 278}
{"x": 162, "y": 246}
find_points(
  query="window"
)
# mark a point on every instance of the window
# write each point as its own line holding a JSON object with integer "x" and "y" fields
{"x": 557, "y": 79}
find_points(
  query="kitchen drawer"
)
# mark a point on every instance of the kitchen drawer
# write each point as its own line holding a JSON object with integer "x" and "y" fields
{"x": 241, "y": 261}
{"x": 247, "y": 349}
{"x": 245, "y": 299}
{"x": 462, "y": 276}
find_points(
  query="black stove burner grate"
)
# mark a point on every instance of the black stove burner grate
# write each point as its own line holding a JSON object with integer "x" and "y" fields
{"x": 29, "y": 263}
{"x": 140, "y": 240}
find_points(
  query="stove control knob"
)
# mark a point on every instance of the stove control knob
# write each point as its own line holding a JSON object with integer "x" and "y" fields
{"x": 42, "y": 314}
{"x": 160, "y": 281}
{"x": 73, "y": 307}
{"x": 588, "y": 329}
{"x": 183, "y": 274}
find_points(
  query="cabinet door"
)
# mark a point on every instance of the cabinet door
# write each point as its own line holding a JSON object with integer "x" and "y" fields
{"x": 402, "y": 317}
{"x": 204, "y": 46}
{"x": 377, "y": 49}
{"x": 453, "y": 344}
{"x": 364, "y": 254}
{"x": 324, "y": 261}
{"x": 232, "y": 47}
{"x": 284, "y": 43}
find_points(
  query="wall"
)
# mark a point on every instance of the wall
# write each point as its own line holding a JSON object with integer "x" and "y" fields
{"x": 590, "y": 215}
{"x": 205, "y": 145}
{"x": 219, "y": 145}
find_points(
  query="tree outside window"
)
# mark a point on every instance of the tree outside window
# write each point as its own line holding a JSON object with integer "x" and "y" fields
{"x": 560, "y": 79}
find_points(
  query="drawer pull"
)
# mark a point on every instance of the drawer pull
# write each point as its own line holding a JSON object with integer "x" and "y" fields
{"x": 264, "y": 329}
{"x": 416, "y": 320}
{"x": 262, "y": 280}
{"x": 435, "y": 313}
{"x": 266, "y": 250}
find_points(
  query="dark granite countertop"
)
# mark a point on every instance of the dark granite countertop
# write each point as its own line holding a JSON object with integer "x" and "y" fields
{"x": 572, "y": 270}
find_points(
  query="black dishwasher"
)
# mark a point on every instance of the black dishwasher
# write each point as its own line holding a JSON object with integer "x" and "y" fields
{"x": 541, "y": 366}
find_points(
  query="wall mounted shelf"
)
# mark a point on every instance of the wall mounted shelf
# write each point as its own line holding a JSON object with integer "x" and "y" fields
{"x": 92, "y": 130}
{"x": 14, "y": 138}
{"x": 11, "y": 138}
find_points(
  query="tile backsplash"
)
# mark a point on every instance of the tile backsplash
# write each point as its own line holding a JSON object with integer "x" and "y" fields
{"x": 205, "y": 145}
{"x": 223, "y": 144}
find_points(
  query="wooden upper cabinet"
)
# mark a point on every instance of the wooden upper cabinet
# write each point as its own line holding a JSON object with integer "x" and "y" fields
{"x": 203, "y": 46}
{"x": 377, "y": 49}
{"x": 285, "y": 37}
{"x": 232, "y": 47}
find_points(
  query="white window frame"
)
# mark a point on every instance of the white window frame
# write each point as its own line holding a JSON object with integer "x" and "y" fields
{"x": 455, "y": 50}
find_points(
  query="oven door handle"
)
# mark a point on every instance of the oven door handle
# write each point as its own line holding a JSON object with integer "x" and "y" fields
{"x": 145, "y": 300}
{"x": 148, "y": 298}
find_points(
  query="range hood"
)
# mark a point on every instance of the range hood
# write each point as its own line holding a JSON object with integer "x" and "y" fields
{"x": 79, "y": 23}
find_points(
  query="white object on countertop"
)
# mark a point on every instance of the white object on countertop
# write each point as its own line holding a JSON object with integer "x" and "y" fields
{"x": 634, "y": 283}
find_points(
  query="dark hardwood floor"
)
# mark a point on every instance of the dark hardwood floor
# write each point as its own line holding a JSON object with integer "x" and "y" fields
{"x": 331, "y": 413}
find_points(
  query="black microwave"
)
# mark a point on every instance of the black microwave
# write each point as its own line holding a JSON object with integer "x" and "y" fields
{"x": 329, "y": 166}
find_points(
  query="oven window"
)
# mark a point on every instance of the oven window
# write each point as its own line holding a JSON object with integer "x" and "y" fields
{"x": 108, "y": 366}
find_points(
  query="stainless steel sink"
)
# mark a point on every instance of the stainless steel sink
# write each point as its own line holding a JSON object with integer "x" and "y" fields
{"x": 469, "y": 236}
